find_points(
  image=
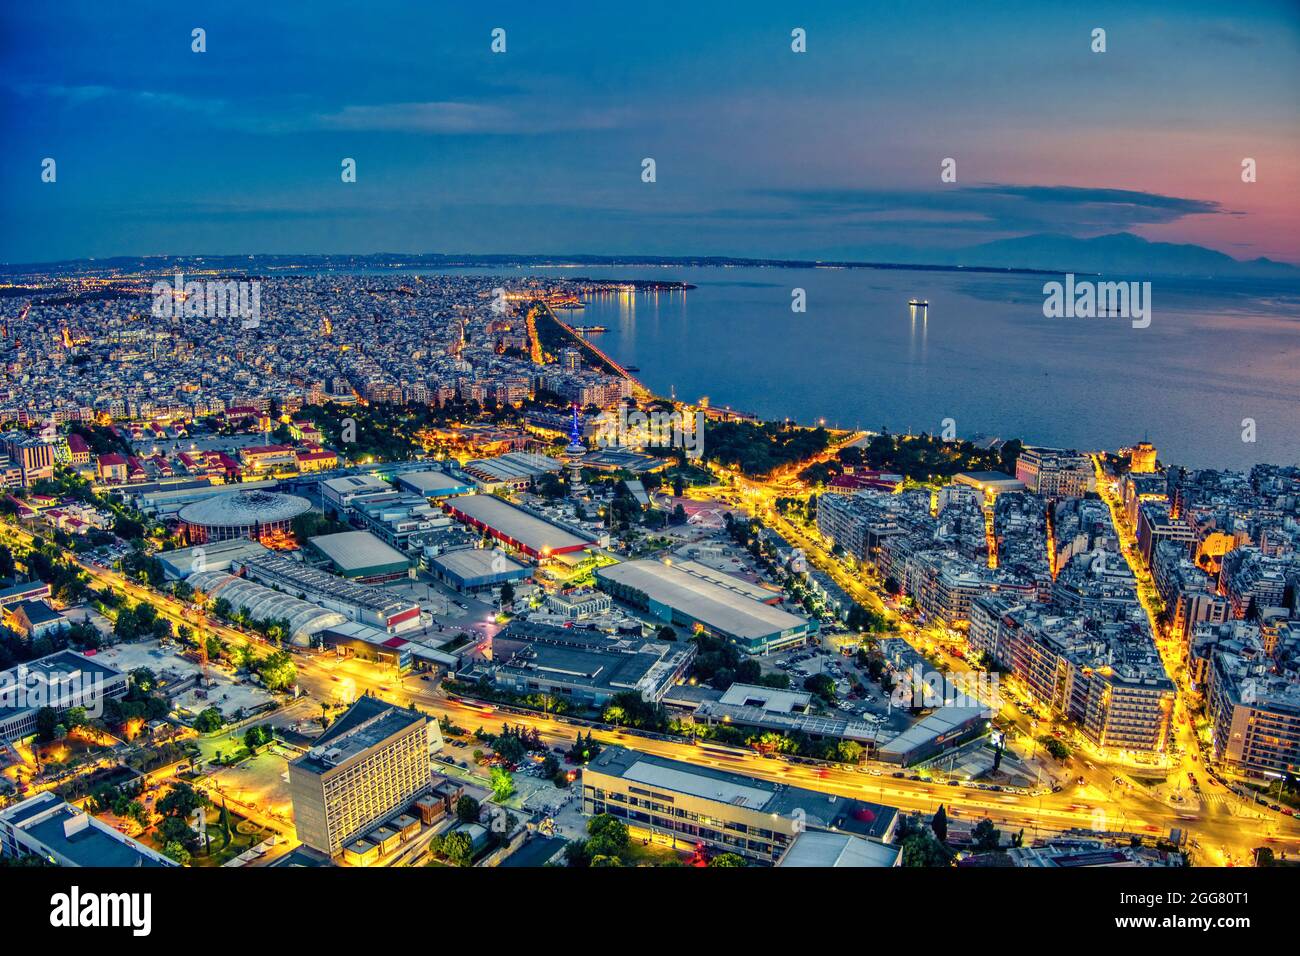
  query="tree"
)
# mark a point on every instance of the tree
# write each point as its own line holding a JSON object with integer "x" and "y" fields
{"x": 821, "y": 685}
{"x": 606, "y": 836}
{"x": 467, "y": 810}
{"x": 181, "y": 801}
{"x": 176, "y": 851}
{"x": 507, "y": 594}
{"x": 258, "y": 736}
{"x": 940, "y": 824}
{"x": 503, "y": 784}
{"x": 458, "y": 848}
{"x": 47, "y": 720}
{"x": 728, "y": 859}
{"x": 921, "y": 849}
{"x": 209, "y": 721}
{"x": 1055, "y": 747}
{"x": 987, "y": 837}
{"x": 277, "y": 670}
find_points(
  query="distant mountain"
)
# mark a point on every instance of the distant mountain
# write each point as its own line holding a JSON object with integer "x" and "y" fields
{"x": 1120, "y": 253}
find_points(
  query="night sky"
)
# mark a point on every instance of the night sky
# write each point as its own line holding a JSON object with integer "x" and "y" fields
{"x": 833, "y": 153}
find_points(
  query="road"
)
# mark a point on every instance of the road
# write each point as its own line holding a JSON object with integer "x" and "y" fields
{"x": 1224, "y": 836}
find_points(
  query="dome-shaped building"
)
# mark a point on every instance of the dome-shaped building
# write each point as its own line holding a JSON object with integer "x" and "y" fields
{"x": 252, "y": 514}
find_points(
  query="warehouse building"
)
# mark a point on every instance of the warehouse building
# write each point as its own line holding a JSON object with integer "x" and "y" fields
{"x": 583, "y": 665}
{"x": 360, "y": 556}
{"x": 515, "y": 470}
{"x": 179, "y": 564}
{"x": 435, "y": 484}
{"x": 689, "y": 594}
{"x": 477, "y": 569}
{"x": 339, "y": 492}
{"x": 266, "y": 604}
{"x": 520, "y": 529}
{"x": 363, "y": 603}
{"x": 946, "y": 728}
{"x": 783, "y": 711}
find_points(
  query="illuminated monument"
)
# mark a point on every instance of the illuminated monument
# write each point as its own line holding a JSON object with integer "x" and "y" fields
{"x": 573, "y": 454}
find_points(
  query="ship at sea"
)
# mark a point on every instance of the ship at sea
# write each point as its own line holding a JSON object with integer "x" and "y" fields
{"x": 919, "y": 303}
{"x": 589, "y": 329}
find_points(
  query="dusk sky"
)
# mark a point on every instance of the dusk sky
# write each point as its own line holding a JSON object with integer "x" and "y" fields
{"x": 834, "y": 153}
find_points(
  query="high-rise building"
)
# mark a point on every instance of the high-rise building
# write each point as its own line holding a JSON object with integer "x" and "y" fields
{"x": 366, "y": 768}
{"x": 33, "y": 456}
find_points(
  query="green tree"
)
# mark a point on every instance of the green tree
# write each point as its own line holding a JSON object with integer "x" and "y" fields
{"x": 209, "y": 721}
{"x": 467, "y": 810}
{"x": 987, "y": 837}
{"x": 176, "y": 851}
{"x": 503, "y": 784}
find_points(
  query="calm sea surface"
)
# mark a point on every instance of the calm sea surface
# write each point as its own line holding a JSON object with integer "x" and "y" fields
{"x": 1215, "y": 353}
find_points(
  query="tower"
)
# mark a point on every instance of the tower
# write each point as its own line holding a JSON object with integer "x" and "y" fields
{"x": 573, "y": 453}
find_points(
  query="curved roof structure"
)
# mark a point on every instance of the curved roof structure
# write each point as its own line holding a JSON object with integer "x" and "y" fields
{"x": 263, "y": 603}
{"x": 244, "y": 508}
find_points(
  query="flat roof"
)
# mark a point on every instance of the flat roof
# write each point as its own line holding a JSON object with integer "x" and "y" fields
{"x": 536, "y": 534}
{"x": 768, "y": 698}
{"x": 472, "y": 563}
{"x": 730, "y": 610}
{"x": 513, "y": 466}
{"x": 354, "y": 550}
{"x": 434, "y": 483}
{"x": 940, "y": 722}
{"x": 368, "y": 723}
{"x": 731, "y": 791}
{"x": 183, "y": 560}
{"x": 751, "y": 793}
{"x": 91, "y": 844}
{"x": 355, "y": 483}
{"x": 822, "y": 849}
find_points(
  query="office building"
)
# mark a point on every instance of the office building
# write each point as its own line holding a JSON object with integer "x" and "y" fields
{"x": 52, "y": 829}
{"x": 684, "y": 805}
{"x": 367, "y": 768}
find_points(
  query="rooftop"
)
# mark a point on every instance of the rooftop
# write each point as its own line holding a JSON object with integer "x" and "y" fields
{"x": 726, "y": 604}
{"x": 245, "y": 508}
{"x": 354, "y": 550}
{"x": 536, "y": 534}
